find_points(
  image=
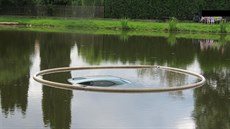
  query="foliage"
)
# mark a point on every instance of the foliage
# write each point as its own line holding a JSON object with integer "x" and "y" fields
{"x": 135, "y": 9}
{"x": 160, "y": 9}
{"x": 17, "y": 3}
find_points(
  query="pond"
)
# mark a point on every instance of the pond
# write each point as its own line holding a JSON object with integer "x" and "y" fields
{"x": 26, "y": 104}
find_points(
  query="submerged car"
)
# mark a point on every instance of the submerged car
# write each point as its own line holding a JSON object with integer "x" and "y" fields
{"x": 102, "y": 81}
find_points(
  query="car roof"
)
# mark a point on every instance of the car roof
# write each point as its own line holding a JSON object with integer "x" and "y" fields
{"x": 114, "y": 79}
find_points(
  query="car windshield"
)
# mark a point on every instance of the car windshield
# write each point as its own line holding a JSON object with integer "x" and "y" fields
{"x": 98, "y": 81}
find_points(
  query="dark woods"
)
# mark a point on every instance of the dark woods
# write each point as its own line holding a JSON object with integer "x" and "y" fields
{"x": 161, "y": 9}
{"x": 16, "y": 3}
{"x": 133, "y": 9}
{"x": 53, "y": 8}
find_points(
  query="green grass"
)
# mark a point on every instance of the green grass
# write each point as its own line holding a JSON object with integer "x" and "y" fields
{"x": 114, "y": 27}
{"x": 115, "y": 24}
{"x": 119, "y": 32}
{"x": 198, "y": 27}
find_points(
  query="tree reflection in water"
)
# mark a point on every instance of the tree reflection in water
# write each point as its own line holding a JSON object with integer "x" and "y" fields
{"x": 56, "y": 103}
{"x": 14, "y": 69}
{"x": 212, "y": 101}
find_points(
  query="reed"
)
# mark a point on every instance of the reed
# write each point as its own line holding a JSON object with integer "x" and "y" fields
{"x": 223, "y": 27}
{"x": 124, "y": 24}
{"x": 172, "y": 24}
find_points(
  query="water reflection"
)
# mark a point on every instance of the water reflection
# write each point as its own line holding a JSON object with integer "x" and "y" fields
{"x": 212, "y": 101}
{"x": 213, "y": 59}
{"x": 169, "y": 79}
{"x": 56, "y": 103}
{"x": 14, "y": 69}
{"x": 172, "y": 39}
{"x": 144, "y": 50}
{"x": 206, "y": 44}
{"x": 220, "y": 44}
{"x": 208, "y": 106}
{"x": 106, "y": 110}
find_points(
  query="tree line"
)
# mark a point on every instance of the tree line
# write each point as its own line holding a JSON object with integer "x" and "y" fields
{"x": 155, "y": 9}
{"x": 53, "y": 8}
{"x": 16, "y": 3}
{"x": 134, "y": 9}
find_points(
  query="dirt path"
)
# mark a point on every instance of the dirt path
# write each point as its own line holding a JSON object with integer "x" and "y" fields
{"x": 9, "y": 23}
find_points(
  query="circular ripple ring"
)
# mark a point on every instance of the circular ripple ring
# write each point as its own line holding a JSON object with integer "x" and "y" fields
{"x": 105, "y": 89}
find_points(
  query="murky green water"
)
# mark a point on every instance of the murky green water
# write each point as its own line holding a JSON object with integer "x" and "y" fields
{"x": 27, "y": 104}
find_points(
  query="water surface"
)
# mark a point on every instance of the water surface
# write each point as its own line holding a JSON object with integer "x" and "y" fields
{"x": 27, "y": 104}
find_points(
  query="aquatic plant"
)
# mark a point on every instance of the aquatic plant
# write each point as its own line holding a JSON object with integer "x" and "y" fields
{"x": 124, "y": 24}
{"x": 223, "y": 26}
{"x": 172, "y": 24}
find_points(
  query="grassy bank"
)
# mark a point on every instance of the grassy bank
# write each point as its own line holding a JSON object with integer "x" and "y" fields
{"x": 114, "y": 27}
{"x": 122, "y": 34}
{"x": 109, "y": 24}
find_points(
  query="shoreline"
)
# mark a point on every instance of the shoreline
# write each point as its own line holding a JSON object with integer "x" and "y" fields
{"x": 113, "y": 27}
{"x": 113, "y": 24}
{"x": 121, "y": 34}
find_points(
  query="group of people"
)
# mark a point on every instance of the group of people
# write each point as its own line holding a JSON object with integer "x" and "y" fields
{"x": 211, "y": 20}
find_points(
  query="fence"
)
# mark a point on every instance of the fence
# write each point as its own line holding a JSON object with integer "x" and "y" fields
{"x": 55, "y": 11}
